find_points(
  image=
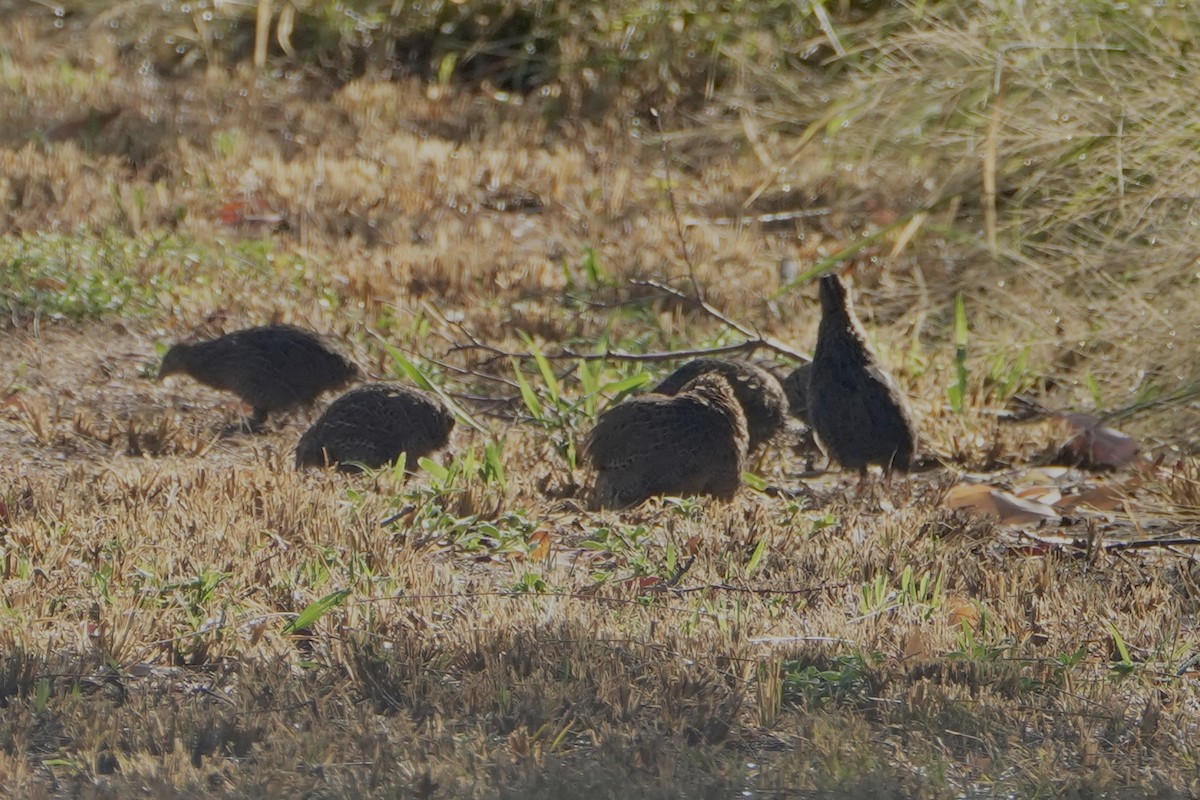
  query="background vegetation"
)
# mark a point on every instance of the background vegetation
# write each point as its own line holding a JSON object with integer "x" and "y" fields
{"x": 473, "y": 194}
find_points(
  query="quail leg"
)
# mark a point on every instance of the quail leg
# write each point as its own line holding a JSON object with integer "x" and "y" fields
{"x": 864, "y": 481}
{"x": 257, "y": 421}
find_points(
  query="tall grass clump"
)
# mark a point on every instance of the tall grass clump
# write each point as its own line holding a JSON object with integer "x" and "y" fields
{"x": 1039, "y": 157}
{"x": 590, "y": 53}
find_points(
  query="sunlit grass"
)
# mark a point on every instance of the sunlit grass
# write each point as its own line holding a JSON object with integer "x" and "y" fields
{"x": 186, "y": 615}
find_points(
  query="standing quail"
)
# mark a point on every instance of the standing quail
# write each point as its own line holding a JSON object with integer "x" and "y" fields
{"x": 854, "y": 406}
{"x": 372, "y": 425}
{"x": 692, "y": 443}
{"x": 761, "y": 397}
{"x": 271, "y": 368}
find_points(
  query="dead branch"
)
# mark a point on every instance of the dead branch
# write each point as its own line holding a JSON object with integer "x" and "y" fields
{"x": 1114, "y": 547}
{"x": 680, "y": 235}
{"x": 1146, "y": 544}
{"x": 616, "y": 355}
{"x": 753, "y": 340}
{"x": 759, "y": 590}
{"x": 752, "y": 336}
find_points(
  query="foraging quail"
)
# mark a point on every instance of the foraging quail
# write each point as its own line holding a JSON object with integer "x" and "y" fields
{"x": 758, "y": 391}
{"x": 271, "y": 368}
{"x": 372, "y": 425}
{"x": 795, "y": 386}
{"x": 854, "y": 406}
{"x": 692, "y": 443}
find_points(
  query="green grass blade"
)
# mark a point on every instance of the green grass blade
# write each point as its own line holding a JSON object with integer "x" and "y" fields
{"x": 1119, "y": 641}
{"x": 493, "y": 454}
{"x": 958, "y": 392}
{"x": 543, "y": 365}
{"x": 434, "y": 468}
{"x": 528, "y": 395}
{"x": 757, "y": 557}
{"x": 315, "y": 611}
{"x": 418, "y": 376}
{"x": 591, "y": 265}
{"x": 622, "y": 387}
{"x": 589, "y": 381}
{"x": 410, "y": 369}
{"x": 755, "y": 481}
{"x": 399, "y": 467}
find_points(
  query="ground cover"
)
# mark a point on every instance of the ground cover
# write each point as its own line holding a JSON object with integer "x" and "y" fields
{"x": 483, "y": 196}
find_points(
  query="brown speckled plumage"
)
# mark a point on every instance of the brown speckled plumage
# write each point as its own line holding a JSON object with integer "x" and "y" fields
{"x": 271, "y": 368}
{"x": 694, "y": 442}
{"x": 762, "y": 398}
{"x": 373, "y": 424}
{"x": 854, "y": 406}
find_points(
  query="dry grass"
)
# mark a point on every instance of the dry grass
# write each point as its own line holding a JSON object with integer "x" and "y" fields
{"x": 185, "y": 615}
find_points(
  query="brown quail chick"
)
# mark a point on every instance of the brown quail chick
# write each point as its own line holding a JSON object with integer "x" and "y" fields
{"x": 795, "y": 386}
{"x": 372, "y": 425}
{"x": 855, "y": 408}
{"x": 693, "y": 443}
{"x": 271, "y": 368}
{"x": 758, "y": 391}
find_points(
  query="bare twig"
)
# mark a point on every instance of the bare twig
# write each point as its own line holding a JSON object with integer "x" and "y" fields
{"x": 1146, "y": 544}
{"x": 826, "y": 25}
{"x": 621, "y": 355}
{"x": 1182, "y": 394}
{"x": 683, "y": 248}
{"x": 990, "y": 156}
{"x": 752, "y": 336}
{"x": 760, "y": 590}
{"x": 680, "y": 571}
{"x": 1031, "y": 409}
{"x": 831, "y": 261}
{"x": 1086, "y": 544}
{"x": 753, "y": 339}
{"x": 761, "y": 219}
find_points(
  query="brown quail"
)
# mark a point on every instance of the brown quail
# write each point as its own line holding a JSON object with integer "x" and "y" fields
{"x": 372, "y": 425}
{"x": 690, "y": 444}
{"x": 854, "y": 406}
{"x": 795, "y": 386}
{"x": 758, "y": 391}
{"x": 271, "y": 368}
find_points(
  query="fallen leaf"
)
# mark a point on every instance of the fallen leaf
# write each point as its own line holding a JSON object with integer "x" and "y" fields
{"x": 1049, "y": 474}
{"x": 49, "y": 284}
{"x": 233, "y": 212}
{"x": 915, "y": 647}
{"x": 257, "y": 210}
{"x": 257, "y": 627}
{"x": 1011, "y": 509}
{"x": 1033, "y": 549}
{"x": 969, "y": 495}
{"x": 1105, "y": 497}
{"x": 960, "y": 610}
{"x": 1014, "y": 510}
{"x": 540, "y": 545}
{"x": 90, "y": 124}
{"x": 1097, "y": 444}
{"x": 1047, "y": 495}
